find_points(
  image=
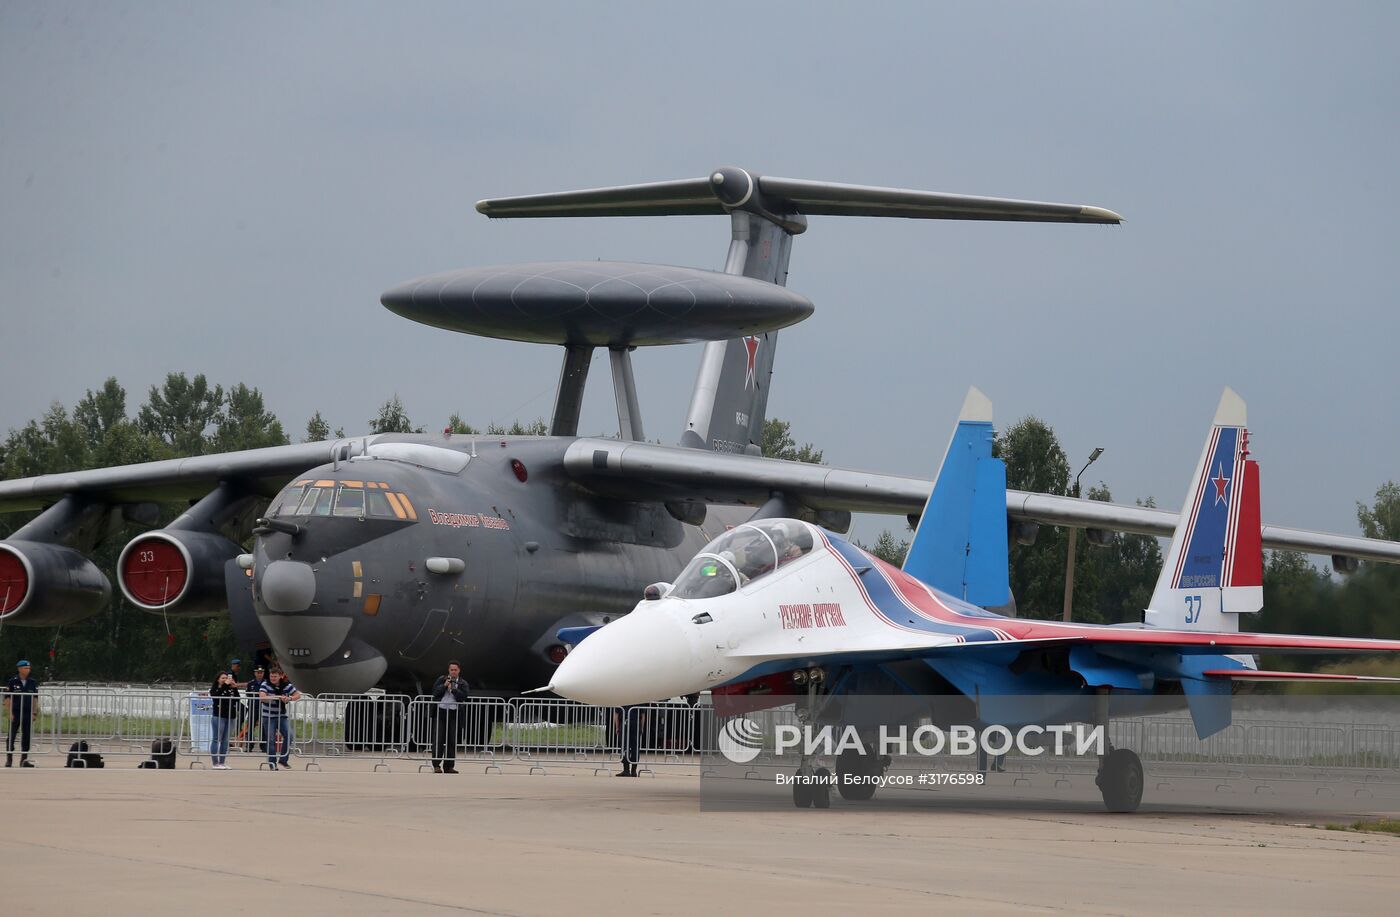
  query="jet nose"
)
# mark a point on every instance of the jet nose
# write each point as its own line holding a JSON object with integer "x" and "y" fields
{"x": 287, "y": 586}
{"x": 643, "y": 657}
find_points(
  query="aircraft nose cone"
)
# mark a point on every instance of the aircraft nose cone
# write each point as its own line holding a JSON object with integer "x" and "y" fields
{"x": 637, "y": 659}
{"x": 287, "y": 586}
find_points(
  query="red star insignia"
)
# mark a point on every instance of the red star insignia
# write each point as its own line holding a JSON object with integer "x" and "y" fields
{"x": 751, "y": 345}
{"x": 1221, "y": 483}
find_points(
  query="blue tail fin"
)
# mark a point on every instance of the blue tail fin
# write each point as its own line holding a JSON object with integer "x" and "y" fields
{"x": 960, "y": 544}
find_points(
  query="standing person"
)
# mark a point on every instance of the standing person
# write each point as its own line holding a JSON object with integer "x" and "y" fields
{"x": 235, "y": 668}
{"x": 629, "y": 721}
{"x": 22, "y": 705}
{"x": 255, "y": 687}
{"x": 224, "y": 713}
{"x": 450, "y": 692}
{"x": 274, "y": 695}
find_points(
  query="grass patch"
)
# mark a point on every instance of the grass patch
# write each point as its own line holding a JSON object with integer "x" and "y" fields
{"x": 1381, "y": 825}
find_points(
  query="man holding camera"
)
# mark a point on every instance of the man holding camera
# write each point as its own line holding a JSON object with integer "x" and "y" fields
{"x": 450, "y": 693}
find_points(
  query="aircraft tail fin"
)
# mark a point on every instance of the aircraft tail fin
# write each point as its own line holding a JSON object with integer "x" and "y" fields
{"x": 1214, "y": 569}
{"x": 960, "y": 544}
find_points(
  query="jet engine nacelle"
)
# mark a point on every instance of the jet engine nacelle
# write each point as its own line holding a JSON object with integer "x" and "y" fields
{"x": 176, "y": 571}
{"x": 48, "y": 584}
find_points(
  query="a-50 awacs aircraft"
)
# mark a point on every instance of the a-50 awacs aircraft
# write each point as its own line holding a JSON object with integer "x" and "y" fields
{"x": 375, "y": 559}
{"x": 779, "y": 602}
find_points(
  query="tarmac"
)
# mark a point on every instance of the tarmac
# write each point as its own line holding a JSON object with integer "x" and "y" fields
{"x": 350, "y": 841}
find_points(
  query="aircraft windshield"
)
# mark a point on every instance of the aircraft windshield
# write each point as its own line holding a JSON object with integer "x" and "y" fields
{"x": 353, "y": 499}
{"x": 706, "y": 577}
{"x": 742, "y": 555}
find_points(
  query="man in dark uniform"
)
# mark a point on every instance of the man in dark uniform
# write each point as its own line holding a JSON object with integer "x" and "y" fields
{"x": 22, "y": 705}
{"x": 255, "y": 686}
{"x": 629, "y": 722}
{"x": 450, "y": 692}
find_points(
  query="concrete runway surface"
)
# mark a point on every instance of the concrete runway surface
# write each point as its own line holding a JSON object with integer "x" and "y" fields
{"x": 353, "y": 842}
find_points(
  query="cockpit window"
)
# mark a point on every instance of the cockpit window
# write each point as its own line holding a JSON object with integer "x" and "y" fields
{"x": 379, "y": 505}
{"x": 317, "y": 502}
{"x": 347, "y": 499}
{"x": 286, "y": 504}
{"x": 745, "y": 553}
{"x": 706, "y": 577}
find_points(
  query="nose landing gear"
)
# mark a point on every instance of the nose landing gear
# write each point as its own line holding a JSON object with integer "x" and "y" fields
{"x": 811, "y": 786}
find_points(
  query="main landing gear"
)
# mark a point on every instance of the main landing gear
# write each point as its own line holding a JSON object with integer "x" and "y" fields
{"x": 1120, "y": 780}
{"x": 1120, "y": 770}
{"x": 811, "y": 787}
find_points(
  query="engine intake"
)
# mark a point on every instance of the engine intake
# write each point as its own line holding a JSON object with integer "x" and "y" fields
{"x": 176, "y": 571}
{"x": 48, "y": 584}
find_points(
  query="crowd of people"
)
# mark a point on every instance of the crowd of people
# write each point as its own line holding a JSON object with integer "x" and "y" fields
{"x": 267, "y": 695}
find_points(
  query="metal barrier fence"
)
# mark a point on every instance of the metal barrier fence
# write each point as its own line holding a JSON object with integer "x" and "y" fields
{"x": 77, "y": 723}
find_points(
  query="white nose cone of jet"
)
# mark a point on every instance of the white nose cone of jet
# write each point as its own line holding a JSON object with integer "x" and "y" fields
{"x": 642, "y": 657}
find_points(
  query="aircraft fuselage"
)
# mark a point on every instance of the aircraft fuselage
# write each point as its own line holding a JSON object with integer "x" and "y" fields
{"x": 389, "y": 565}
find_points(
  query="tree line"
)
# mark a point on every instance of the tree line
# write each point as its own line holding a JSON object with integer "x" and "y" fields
{"x": 187, "y": 416}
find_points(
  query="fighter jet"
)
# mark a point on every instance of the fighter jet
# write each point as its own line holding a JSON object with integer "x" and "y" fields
{"x": 780, "y": 603}
{"x": 373, "y": 560}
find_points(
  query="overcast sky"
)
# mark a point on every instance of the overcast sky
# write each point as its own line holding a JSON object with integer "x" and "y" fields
{"x": 228, "y": 188}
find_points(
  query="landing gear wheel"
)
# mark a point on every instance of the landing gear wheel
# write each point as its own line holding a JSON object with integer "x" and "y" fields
{"x": 1120, "y": 780}
{"x": 821, "y": 791}
{"x": 861, "y": 767}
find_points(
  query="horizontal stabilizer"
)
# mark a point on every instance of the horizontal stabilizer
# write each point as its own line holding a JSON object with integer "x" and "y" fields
{"x": 730, "y": 189}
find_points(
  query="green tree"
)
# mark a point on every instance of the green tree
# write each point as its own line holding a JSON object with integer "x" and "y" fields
{"x": 778, "y": 443}
{"x": 393, "y": 418}
{"x": 98, "y": 413}
{"x": 889, "y": 549}
{"x": 317, "y": 430}
{"x": 1117, "y": 578}
{"x": 181, "y": 411}
{"x": 245, "y": 422}
{"x": 1382, "y": 518}
{"x": 456, "y": 425}
{"x": 537, "y": 428}
{"x": 1035, "y": 462}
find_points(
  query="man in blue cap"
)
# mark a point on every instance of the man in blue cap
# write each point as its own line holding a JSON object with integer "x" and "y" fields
{"x": 22, "y": 705}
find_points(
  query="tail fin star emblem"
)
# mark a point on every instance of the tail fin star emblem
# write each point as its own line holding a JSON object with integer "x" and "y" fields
{"x": 751, "y": 345}
{"x": 1221, "y": 484}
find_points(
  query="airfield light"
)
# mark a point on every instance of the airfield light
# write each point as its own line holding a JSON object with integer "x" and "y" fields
{"x": 1074, "y": 537}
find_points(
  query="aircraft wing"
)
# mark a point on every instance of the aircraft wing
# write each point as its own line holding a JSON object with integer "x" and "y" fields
{"x": 643, "y": 471}
{"x": 266, "y": 470}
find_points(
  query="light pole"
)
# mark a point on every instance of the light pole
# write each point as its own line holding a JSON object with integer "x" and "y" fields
{"x": 1073, "y": 538}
